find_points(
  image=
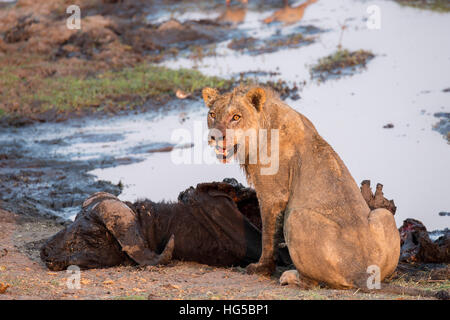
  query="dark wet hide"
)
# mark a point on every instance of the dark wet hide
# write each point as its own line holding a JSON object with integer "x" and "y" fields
{"x": 416, "y": 243}
{"x": 417, "y": 246}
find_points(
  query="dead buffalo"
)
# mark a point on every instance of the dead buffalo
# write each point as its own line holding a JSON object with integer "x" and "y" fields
{"x": 215, "y": 223}
{"x": 418, "y": 247}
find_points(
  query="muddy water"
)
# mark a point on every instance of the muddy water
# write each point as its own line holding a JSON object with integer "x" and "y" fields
{"x": 402, "y": 85}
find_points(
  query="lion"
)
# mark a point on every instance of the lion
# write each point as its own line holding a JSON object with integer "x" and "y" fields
{"x": 332, "y": 236}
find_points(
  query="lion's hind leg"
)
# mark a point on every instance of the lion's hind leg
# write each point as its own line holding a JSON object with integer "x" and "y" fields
{"x": 386, "y": 236}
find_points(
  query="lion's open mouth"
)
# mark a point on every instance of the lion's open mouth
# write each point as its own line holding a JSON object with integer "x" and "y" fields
{"x": 225, "y": 154}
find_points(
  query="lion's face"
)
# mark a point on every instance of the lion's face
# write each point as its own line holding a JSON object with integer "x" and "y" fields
{"x": 231, "y": 117}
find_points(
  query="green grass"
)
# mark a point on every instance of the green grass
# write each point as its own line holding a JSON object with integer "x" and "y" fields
{"x": 130, "y": 86}
{"x": 143, "y": 82}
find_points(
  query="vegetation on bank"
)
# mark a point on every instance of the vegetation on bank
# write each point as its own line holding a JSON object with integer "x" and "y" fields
{"x": 129, "y": 86}
{"x": 256, "y": 46}
{"x": 341, "y": 59}
{"x": 434, "y": 5}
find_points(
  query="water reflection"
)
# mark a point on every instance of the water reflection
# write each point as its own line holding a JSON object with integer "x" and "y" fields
{"x": 233, "y": 15}
{"x": 229, "y": 1}
{"x": 288, "y": 14}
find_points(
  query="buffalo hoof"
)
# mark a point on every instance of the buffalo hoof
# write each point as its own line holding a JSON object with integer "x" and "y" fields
{"x": 261, "y": 268}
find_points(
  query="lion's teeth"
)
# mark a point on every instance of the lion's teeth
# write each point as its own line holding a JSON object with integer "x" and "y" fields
{"x": 221, "y": 152}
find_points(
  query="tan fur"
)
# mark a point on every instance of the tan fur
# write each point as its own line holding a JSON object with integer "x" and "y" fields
{"x": 332, "y": 235}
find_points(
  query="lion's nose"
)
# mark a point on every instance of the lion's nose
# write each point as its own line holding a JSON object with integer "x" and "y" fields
{"x": 216, "y": 135}
{"x": 220, "y": 140}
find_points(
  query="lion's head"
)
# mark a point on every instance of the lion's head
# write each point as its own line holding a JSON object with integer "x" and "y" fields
{"x": 233, "y": 118}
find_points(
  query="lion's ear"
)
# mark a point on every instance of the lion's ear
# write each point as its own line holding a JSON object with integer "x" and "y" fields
{"x": 257, "y": 98}
{"x": 209, "y": 96}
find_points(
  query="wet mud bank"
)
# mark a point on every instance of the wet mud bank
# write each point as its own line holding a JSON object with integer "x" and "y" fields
{"x": 49, "y": 73}
{"x": 443, "y": 125}
{"x": 301, "y": 36}
{"x": 45, "y": 167}
{"x": 35, "y": 183}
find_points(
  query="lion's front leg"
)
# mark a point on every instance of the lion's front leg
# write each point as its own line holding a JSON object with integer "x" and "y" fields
{"x": 266, "y": 263}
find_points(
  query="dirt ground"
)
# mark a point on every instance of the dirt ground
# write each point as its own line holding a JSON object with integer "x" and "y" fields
{"x": 25, "y": 276}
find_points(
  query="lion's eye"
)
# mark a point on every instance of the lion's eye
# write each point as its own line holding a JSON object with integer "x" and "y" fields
{"x": 212, "y": 115}
{"x": 236, "y": 117}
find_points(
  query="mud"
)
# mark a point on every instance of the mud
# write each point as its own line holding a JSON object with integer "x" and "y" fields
{"x": 113, "y": 36}
{"x": 301, "y": 36}
{"x": 37, "y": 181}
{"x": 118, "y": 33}
{"x": 46, "y": 186}
{"x": 443, "y": 126}
{"x": 35, "y": 44}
